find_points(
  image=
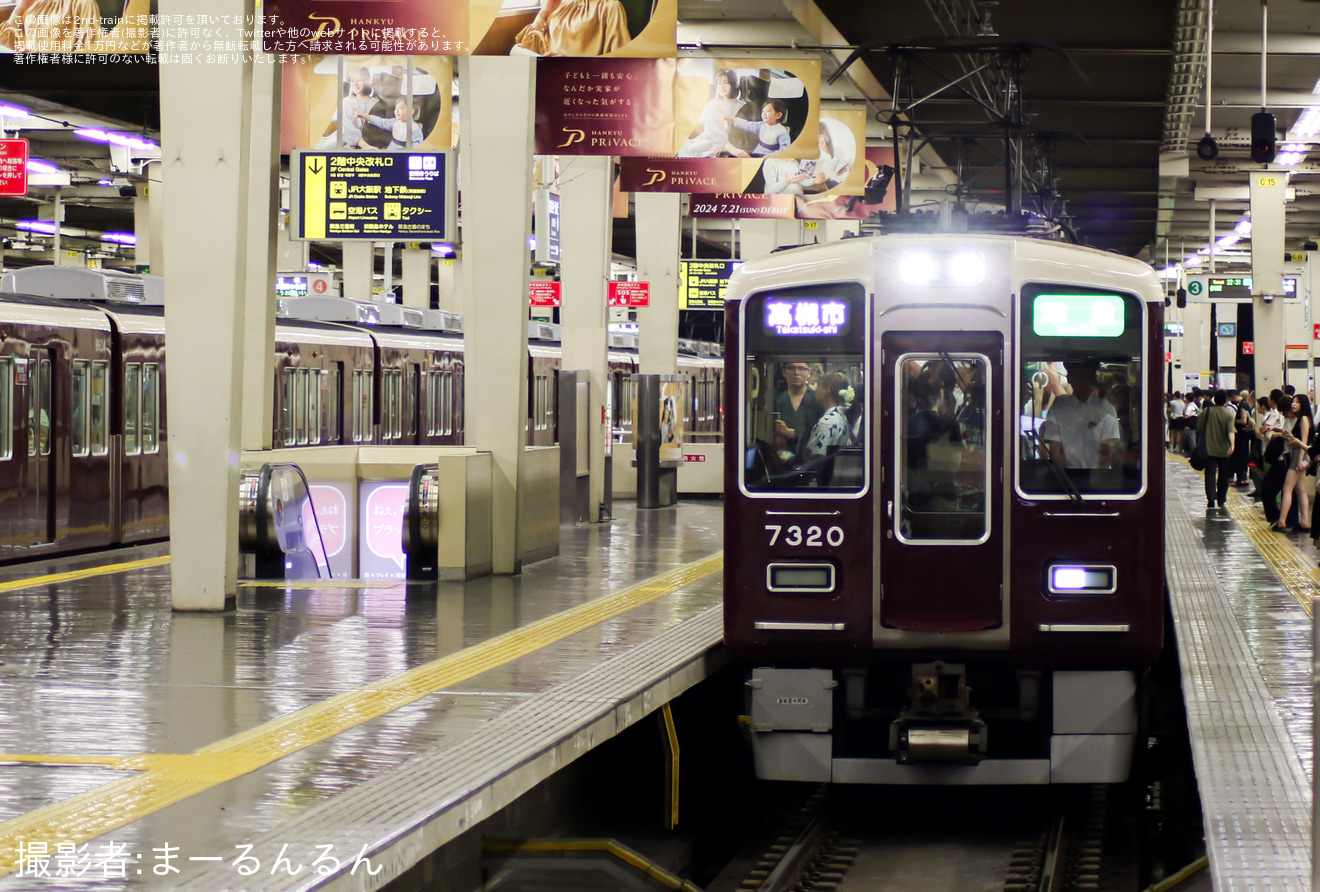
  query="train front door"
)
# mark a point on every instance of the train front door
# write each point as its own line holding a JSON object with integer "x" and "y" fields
{"x": 38, "y": 488}
{"x": 941, "y": 502}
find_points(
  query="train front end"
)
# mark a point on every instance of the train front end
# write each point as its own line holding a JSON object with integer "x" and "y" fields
{"x": 944, "y": 508}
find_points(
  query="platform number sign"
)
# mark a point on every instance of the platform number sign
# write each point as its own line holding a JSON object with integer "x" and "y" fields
{"x": 1195, "y": 287}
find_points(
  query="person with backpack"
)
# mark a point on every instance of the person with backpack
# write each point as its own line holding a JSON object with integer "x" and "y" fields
{"x": 1215, "y": 428}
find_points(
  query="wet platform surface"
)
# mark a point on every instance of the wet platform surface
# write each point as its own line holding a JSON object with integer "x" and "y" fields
{"x": 1242, "y": 597}
{"x": 126, "y": 728}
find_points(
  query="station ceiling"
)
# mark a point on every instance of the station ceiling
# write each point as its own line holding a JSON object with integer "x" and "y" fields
{"x": 1105, "y": 93}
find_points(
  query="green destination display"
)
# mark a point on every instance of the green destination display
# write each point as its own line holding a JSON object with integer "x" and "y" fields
{"x": 1077, "y": 315}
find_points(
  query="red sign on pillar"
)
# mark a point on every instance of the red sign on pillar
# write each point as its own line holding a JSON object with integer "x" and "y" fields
{"x": 1317, "y": 331}
{"x": 630, "y": 294}
{"x": 544, "y": 294}
{"x": 1168, "y": 358}
{"x": 1248, "y": 348}
{"x": 13, "y": 167}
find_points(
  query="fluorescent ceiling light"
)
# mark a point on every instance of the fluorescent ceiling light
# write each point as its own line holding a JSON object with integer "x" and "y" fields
{"x": 120, "y": 238}
{"x": 36, "y": 165}
{"x": 37, "y": 226}
{"x": 13, "y": 111}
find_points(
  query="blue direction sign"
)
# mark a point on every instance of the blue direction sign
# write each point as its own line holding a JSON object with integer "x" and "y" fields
{"x": 374, "y": 196}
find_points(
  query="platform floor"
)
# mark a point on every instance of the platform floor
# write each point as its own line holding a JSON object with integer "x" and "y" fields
{"x": 135, "y": 742}
{"x": 1242, "y": 598}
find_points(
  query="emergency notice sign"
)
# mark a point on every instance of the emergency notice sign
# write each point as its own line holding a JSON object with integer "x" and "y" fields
{"x": 377, "y": 196}
{"x": 13, "y": 167}
{"x": 629, "y": 294}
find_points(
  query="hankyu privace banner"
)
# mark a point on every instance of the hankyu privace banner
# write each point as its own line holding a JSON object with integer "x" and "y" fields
{"x": 604, "y": 106}
{"x": 484, "y": 27}
{"x": 879, "y": 192}
{"x": 362, "y": 105}
{"x": 735, "y": 204}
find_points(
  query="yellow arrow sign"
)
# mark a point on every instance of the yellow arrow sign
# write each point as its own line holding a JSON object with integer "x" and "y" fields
{"x": 313, "y": 196}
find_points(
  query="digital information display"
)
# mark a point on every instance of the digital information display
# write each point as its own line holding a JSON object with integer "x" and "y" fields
{"x": 703, "y": 283}
{"x": 1227, "y": 329}
{"x": 291, "y": 286}
{"x": 1077, "y": 315}
{"x": 1203, "y": 288}
{"x": 377, "y": 196}
{"x": 806, "y": 317}
{"x": 1173, "y": 329}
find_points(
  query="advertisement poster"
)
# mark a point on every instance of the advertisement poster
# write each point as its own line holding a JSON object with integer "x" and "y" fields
{"x": 689, "y": 174}
{"x": 734, "y": 204}
{"x": 76, "y": 26}
{"x": 617, "y": 28}
{"x": 671, "y": 421}
{"x": 364, "y": 107}
{"x": 838, "y": 169}
{"x": 308, "y": 27}
{"x": 604, "y": 106}
{"x": 878, "y": 194}
{"x": 746, "y": 108}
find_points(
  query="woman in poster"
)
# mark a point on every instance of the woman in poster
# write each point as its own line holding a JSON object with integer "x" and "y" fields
{"x": 712, "y": 137}
{"x": 810, "y": 176}
{"x": 353, "y": 110}
{"x": 575, "y": 28}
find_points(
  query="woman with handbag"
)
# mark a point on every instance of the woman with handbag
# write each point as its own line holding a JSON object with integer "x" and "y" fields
{"x": 1274, "y": 431}
{"x": 1296, "y": 441}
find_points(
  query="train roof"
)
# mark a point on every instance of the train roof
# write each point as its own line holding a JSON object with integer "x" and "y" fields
{"x": 300, "y": 331}
{"x": 29, "y": 309}
{"x": 852, "y": 259}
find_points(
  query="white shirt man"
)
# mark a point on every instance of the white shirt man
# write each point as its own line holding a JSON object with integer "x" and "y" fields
{"x": 1081, "y": 429}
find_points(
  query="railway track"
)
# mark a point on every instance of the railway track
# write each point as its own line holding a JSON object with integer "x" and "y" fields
{"x": 897, "y": 840}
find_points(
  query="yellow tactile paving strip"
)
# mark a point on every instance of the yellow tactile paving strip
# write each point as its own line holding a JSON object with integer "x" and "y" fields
{"x": 1296, "y": 570}
{"x": 54, "y": 578}
{"x": 166, "y": 779}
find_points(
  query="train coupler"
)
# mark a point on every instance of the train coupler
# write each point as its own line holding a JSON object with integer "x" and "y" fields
{"x": 939, "y": 724}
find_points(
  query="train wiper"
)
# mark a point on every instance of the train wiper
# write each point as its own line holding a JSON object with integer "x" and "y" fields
{"x": 1074, "y": 494}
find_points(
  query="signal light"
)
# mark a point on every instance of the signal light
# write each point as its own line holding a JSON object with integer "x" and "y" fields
{"x": 1182, "y": 298}
{"x": 1263, "y": 147}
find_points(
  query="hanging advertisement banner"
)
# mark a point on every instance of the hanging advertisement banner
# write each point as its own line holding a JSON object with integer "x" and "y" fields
{"x": 367, "y": 110}
{"x": 604, "y": 106}
{"x": 309, "y": 27}
{"x": 734, "y": 204}
{"x": 746, "y": 108}
{"x": 688, "y": 174}
{"x": 878, "y": 194}
{"x": 617, "y": 28}
{"x": 839, "y": 168}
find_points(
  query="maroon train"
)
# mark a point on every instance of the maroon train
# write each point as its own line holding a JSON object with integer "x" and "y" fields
{"x": 83, "y": 421}
{"x": 922, "y": 586}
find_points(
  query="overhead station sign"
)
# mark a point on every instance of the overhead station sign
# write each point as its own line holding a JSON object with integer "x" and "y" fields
{"x": 702, "y": 283}
{"x": 1229, "y": 289}
{"x": 375, "y": 196}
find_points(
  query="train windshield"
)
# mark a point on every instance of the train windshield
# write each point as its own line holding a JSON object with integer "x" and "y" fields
{"x": 1080, "y": 391}
{"x": 804, "y": 419}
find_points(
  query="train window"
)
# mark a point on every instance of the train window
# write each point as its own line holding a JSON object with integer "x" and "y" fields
{"x": 396, "y": 403}
{"x": 313, "y": 406}
{"x": 361, "y": 406}
{"x": 98, "y": 403}
{"x": 150, "y": 407}
{"x": 286, "y": 413}
{"x": 450, "y": 403}
{"x": 1080, "y": 389}
{"x": 6, "y": 408}
{"x": 412, "y": 396}
{"x": 78, "y": 407}
{"x": 795, "y": 438}
{"x": 943, "y": 453}
{"x": 44, "y": 393}
{"x": 298, "y": 412}
{"x": 132, "y": 394}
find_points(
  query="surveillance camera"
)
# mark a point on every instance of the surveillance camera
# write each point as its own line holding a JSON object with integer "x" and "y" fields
{"x": 1207, "y": 149}
{"x": 1267, "y": 298}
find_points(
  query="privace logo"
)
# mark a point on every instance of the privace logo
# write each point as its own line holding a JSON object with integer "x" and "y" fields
{"x": 657, "y": 176}
{"x": 329, "y": 25}
{"x": 574, "y": 136}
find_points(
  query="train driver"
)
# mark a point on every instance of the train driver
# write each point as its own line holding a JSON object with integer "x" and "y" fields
{"x": 1081, "y": 429}
{"x": 796, "y": 408}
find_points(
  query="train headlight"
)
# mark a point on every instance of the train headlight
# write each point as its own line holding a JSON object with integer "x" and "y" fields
{"x": 942, "y": 268}
{"x": 1092, "y": 579}
{"x": 918, "y": 268}
{"x": 967, "y": 268}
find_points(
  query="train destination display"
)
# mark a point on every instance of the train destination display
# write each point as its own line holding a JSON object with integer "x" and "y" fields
{"x": 380, "y": 196}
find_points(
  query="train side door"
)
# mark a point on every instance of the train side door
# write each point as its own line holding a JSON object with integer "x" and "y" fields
{"x": 941, "y": 547}
{"x": 39, "y": 495}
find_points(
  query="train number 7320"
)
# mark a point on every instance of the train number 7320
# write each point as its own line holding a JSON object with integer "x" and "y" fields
{"x": 812, "y": 536}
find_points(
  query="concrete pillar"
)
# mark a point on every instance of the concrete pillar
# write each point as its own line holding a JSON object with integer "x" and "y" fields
{"x": 586, "y": 228}
{"x": 449, "y": 278}
{"x": 387, "y": 282}
{"x": 658, "y": 233}
{"x": 760, "y": 237}
{"x": 417, "y": 276}
{"x": 497, "y": 216}
{"x": 259, "y": 310}
{"x": 156, "y": 214}
{"x": 207, "y": 147}
{"x": 359, "y": 269}
{"x": 290, "y": 255}
{"x": 1268, "y": 190}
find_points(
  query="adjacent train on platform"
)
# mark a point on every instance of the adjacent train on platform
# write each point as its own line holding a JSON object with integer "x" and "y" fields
{"x": 944, "y": 564}
{"x": 83, "y": 377}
